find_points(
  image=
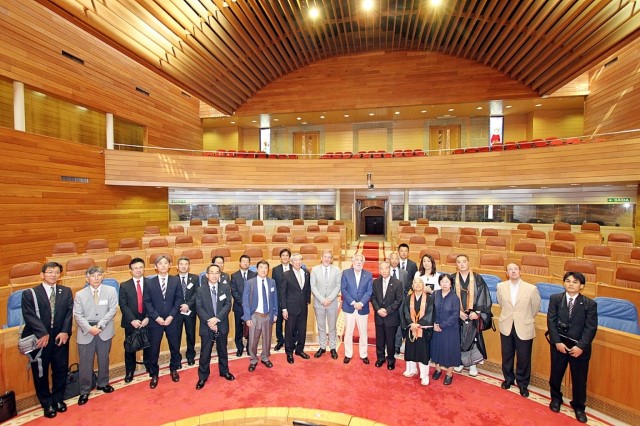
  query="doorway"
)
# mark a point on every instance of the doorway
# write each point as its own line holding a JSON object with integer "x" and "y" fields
{"x": 443, "y": 139}
{"x": 371, "y": 218}
{"x": 306, "y": 144}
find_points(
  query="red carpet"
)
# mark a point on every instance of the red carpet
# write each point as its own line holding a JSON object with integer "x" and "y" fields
{"x": 327, "y": 384}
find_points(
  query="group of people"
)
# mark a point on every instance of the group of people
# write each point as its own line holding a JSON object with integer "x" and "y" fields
{"x": 440, "y": 317}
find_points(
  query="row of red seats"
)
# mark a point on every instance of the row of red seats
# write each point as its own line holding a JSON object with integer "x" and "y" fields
{"x": 374, "y": 154}
{"x": 535, "y": 143}
{"x": 247, "y": 154}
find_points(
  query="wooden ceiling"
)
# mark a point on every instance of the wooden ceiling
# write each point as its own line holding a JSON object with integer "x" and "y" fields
{"x": 224, "y": 52}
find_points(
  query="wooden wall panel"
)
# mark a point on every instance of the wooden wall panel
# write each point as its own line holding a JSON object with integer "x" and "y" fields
{"x": 39, "y": 210}
{"x": 612, "y": 104}
{"x": 221, "y": 138}
{"x": 383, "y": 79}
{"x": 515, "y": 127}
{"x": 561, "y": 124}
{"x": 106, "y": 82}
{"x": 372, "y": 139}
{"x": 600, "y": 163}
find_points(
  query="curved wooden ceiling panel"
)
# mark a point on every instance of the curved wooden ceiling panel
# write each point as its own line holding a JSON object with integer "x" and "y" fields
{"x": 226, "y": 51}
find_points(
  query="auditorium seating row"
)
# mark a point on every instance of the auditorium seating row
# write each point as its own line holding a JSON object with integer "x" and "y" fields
{"x": 398, "y": 153}
{"x": 524, "y": 144}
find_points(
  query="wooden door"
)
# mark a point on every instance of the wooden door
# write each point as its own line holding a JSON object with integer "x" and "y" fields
{"x": 306, "y": 144}
{"x": 443, "y": 139}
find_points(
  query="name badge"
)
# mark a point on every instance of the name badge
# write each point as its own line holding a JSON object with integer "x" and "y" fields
{"x": 273, "y": 289}
{"x": 190, "y": 285}
{"x": 224, "y": 296}
{"x": 103, "y": 302}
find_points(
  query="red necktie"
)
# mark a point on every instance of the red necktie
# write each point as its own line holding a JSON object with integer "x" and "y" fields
{"x": 139, "y": 291}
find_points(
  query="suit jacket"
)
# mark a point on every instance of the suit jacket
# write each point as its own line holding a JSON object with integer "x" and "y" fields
{"x": 250, "y": 295}
{"x": 158, "y": 306}
{"x": 403, "y": 276}
{"x": 522, "y": 315}
{"x": 193, "y": 282}
{"x": 224, "y": 279}
{"x": 85, "y": 310}
{"x": 42, "y": 326}
{"x": 412, "y": 268}
{"x": 277, "y": 273}
{"x": 351, "y": 293}
{"x": 583, "y": 323}
{"x": 237, "y": 288}
{"x": 329, "y": 291}
{"x": 391, "y": 301}
{"x": 128, "y": 301}
{"x": 291, "y": 297}
{"x": 204, "y": 308}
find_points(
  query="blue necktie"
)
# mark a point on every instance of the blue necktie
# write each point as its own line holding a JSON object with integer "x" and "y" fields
{"x": 265, "y": 300}
{"x": 214, "y": 300}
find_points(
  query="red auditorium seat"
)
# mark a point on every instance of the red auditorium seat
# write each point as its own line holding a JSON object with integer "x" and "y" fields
{"x": 539, "y": 143}
{"x": 556, "y": 142}
{"x": 387, "y": 155}
{"x": 472, "y": 150}
{"x": 484, "y": 149}
{"x": 347, "y": 154}
{"x": 397, "y": 153}
{"x": 377, "y": 155}
{"x": 241, "y": 154}
{"x": 458, "y": 151}
{"x": 525, "y": 144}
{"x": 418, "y": 153}
{"x": 408, "y": 153}
{"x": 509, "y": 146}
{"x": 572, "y": 141}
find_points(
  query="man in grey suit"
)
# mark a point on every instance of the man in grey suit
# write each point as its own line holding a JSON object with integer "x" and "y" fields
{"x": 325, "y": 286}
{"x": 94, "y": 308}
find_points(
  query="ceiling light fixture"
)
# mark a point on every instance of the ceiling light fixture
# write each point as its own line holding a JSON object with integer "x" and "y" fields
{"x": 423, "y": 111}
{"x": 371, "y": 114}
{"x": 451, "y": 109}
{"x": 508, "y": 106}
{"x": 479, "y": 108}
{"x": 397, "y": 113}
{"x": 322, "y": 116}
{"x": 346, "y": 116}
{"x": 367, "y": 5}
{"x": 538, "y": 105}
{"x": 314, "y": 12}
{"x": 298, "y": 118}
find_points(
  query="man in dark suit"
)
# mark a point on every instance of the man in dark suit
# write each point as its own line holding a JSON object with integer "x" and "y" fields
{"x": 187, "y": 318}
{"x": 52, "y": 327}
{"x": 134, "y": 313}
{"x": 294, "y": 294}
{"x": 238, "y": 279}
{"x": 407, "y": 265}
{"x": 260, "y": 305}
{"x": 278, "y": 275}
{"x": 213, "y": 304}
{"x": 386, "y": 300}
{"x": 162, "y": 300}
{"x": 572, "y": 322}
{"x": 224, "y": 277}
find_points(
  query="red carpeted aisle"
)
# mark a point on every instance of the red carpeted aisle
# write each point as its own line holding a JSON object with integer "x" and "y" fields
{"x": 327, "y": 384}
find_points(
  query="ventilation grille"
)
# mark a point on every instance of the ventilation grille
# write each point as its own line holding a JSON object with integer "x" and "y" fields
{"x": 74, "y": 58}
{"x": 76, "y": 179}
{"x": 143, "y": 91}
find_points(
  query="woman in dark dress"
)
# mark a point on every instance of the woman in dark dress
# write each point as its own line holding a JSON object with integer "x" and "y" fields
{"x": 445, "y": 343}
{"x": 475, "y": 303}
{"x": 417, "y": 310}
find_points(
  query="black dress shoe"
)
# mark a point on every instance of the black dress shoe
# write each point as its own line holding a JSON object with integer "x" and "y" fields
{"x": 128, "y": 378}
{"x": 267, "y": 364}
{"x": 302, "y": 355}
{"x": 50, "y": 412}
{"x": 278, "y": 346}
{"x": 506, "y": 385}
{"x": 397, "y": 351}
{"x": 154, "y": 382}
{"x": 581, "y": 416}
{"x": 290, "y": 358}
{"x": 379, "y": 363}
{"x": 391, "y": 366}
{"x": 365, "y": 360}
{"x": 524, "y": 392}
{"x": 334, "y": 354}
{"x": 61, "y": 407}
{"x": 447, "y": 380}
{"x": 191, "y": 362}
{"x": 228, "y": 376}
{"x": 200, "y": 384}
{"x": 554, "y": 406}
{"x": 106, "y": 389}
{"x": 83, "y": 399}
{"x": 346, "y": 360}
{"x": 239, "y": 353}
{"x": 319, "y": 353}
{"x": 252, "y": 367}
{"x": 436, "y": 375}
{"x": 175, "y": 376}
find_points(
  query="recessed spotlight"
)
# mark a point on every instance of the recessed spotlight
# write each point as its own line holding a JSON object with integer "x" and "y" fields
{"x": 371, "y": 114}
{"x": 538, "y": 105}
{"x": 314, "y": 12}
{"x": 254, "y": 121}
{"x": 451, "y": 109}
{"x": 367, "y": 5}
{"x": 233, "y": 122}
{"x": 508, "y": 106}
{"x": 575, "y": 184}
{"x": 322, "y": 117}
{"x": 544, "y": 187}
{"x": 513, "y": 186}
{"x": 423, "y": 111}
{"x": 436, "y": 3}
{"x": 276, "y": 119}
{"x": 397, "y": 113}
{"x": 298, "y": 118}
{"x": 304, "y": 122}
{"x": 479, "y": 108}
{"x": 346, "y": 116}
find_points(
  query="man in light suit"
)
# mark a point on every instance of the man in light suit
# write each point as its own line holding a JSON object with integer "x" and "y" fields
{"x": 294, "y": 295}
{"x": 572, "y": 323}
{"x": 260, "y": 305}
{"x": 187, "y": 318}
{"x": 52, "y": 327}
{"x": 94, "y": 308}
{"x": 278, "y": 274}
{"x": 325, "y": 286}
{"x": 134, "y": 314}
{"x": 520, "y": 303}
{"x": 407, "y": 264}
{"x": 213, "y": 304}
{"x": 162, "y": 299}
{"x": 238, "y": 280}
{"x": 356, "y": 287}
{"x": 386, "y": 300}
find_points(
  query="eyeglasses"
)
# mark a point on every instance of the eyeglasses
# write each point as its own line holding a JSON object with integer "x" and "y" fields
{"x": 95, "y": 276}
{"x": 213, "y": 273}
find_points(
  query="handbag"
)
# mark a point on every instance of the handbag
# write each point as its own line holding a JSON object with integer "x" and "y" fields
{"x": 471, "y": 357}
{"x": 137, "y": 340}
{"x": 29, "y": 343}
{"x": 245, "y": 330}
{"x": 73, "y": 382}
{"x": 486, "y": 321}
{"x": 468, "y": 333}
{"x": 8, "y": 406}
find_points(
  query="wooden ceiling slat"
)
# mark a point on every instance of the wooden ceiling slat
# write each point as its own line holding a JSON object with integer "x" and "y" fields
{"x": 274, "y": 37}
{"x": 284, "y": 35}
{"x": 304, "y": 50}
{"x": 453, "y": 33}
{"x": 488, "y": 23}
{"x": 507, "y": 33}
{"x": 500, "y": 25}
{"x": 469, "y": 23}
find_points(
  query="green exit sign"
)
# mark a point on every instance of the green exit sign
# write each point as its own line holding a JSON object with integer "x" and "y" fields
{"x": 619, "y": 200}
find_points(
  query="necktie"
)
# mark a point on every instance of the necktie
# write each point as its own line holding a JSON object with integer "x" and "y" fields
{"x": 244, "y": 276}
{"x": 300, "y": 279}
{"x": 95, "y": 296}
{"x": 570, "y": 306}
{"x": 404, "y": 265}
{"x": 265, "y": 300}
{"x": 139, "y": 294}
{"x": 52, "y": 303}
{"x": 214, "y": 300}
{"x": 326, "y": 276}
{"x": 184, "y": 288}
{"x": 163, "y": 286}
{"x": 394, "y": 273}
{"x": 385, "y": 283}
